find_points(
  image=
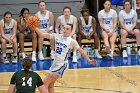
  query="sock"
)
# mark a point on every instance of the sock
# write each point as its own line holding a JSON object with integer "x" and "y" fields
{"x": 52, "y": 52}
{"x": 4, "y": 55}
{"x": 74, "y": 52}
{"x": 34, "y": 52}
{"x": 124, "y": 48}
{"x": 96, "y": 50}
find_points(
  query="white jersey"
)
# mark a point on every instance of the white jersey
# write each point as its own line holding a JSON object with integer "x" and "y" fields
{"x": 128, "y": 18}
{"x": 63, "y": 22}
{"x": 8, "y": 28}
{"x": 87, "y": 28}
{"x": 44, "y": 21}
{"x": 63, "y": 46}
{"x": 107, "y": 18}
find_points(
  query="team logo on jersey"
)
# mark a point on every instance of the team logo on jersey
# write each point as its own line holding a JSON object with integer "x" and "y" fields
{"x": 107, "y": 20}
{"x": 61, "y": 44}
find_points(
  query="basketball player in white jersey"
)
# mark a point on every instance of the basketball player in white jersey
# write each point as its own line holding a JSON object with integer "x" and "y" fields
{"x": 24, "y": 31}
{"x": 8, "y": 28}
{"x": 63, "y": 45}
{"x": 108, "y": 22}
{"x": 46, "y": 25}
{"x": 64, "y": 19}
{"x": 128, "y": 22}
{"x": 87, "y": 30}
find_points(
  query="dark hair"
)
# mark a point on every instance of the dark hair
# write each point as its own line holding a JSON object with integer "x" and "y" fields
{"x": 108, "y": 1}
{"x": 71, "y": 25}
{"x": 41, "y": 2}
{"x": 22, "y": 11}
{"x": 7, "y": 13}
{"x": 27, "y": 64}
{"x": 129, "y": 2}
{"x": 67, "y": 7}
{"x": 84, "y": 9}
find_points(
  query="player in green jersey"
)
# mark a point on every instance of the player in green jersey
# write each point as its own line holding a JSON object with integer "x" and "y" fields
{"x": 25, "y": 81}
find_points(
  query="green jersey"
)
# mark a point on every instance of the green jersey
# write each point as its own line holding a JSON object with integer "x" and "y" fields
{"x": 24, "y": 85}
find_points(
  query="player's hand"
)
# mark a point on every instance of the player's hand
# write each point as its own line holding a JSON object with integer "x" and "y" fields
{"x": 107, "y": 30}
{"x": 10, "y": 41}
{"x": 92, "y": 61}
{"x": 110, "y": 34}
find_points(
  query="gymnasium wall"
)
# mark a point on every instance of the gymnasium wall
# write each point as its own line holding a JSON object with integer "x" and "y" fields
{"x": 56, "y": 6}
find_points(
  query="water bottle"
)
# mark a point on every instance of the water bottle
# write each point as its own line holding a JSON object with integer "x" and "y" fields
{"x": 128, "y": 50}
{"x": 91, "y": 52}
{"x": 44, "y": 50}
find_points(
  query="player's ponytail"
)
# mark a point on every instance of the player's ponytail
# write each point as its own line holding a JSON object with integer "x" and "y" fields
{"x": 27, "y": 64}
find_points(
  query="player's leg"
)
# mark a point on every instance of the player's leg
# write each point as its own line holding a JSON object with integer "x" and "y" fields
{"x": 52, "y": 45}
{"x": 137, "y": 34}
{"x": 3, "y": 49}
{"x": 74, "y": 51}
{"x": 105, "y": 39}
{"x": 21, "y": 44}
{"x": 124, "y": 34}
{"x": 49, "y": 82}
{"x": 96, "y": 42}
{"x": 40, "y": 45}
{"x": 112, "y": 44}
{"x": 14, "y": 50}
{"x": 33, "y": 36}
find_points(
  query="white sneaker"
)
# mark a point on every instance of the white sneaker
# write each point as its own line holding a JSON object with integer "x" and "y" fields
{"x": 124, "y": 54}
{"x": 74, "y": 59}
{"x": 23, "y": 55}
{"x": 33, "y": 56}
{"x": 5, "y": 60}
{"x": 40, "y": 56}
{"x": 110, "y": 56}
{"x": 139, "y": 52}
{"x": 14, "y": 59}
{"x": 98, "y": 55}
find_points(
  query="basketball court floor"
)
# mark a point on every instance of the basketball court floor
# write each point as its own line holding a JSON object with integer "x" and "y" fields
{"x": 116, "y": 76}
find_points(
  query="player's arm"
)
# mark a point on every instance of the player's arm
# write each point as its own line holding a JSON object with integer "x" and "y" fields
{"x": 134, "y": 23}
{"x": 76, "y": 46}
{"x": 74, "y": 26}
{"x": 80, "y": 27}
{"x": 11, "y": 88}
{"x": 57, "y": 24}
{"x": 14, "y": 30}
{"x": 84, "y": 54}
{"x": 41, "y": 34}
{"x": 93, "y": 26}
{"x": 115, "y": 21}
{"x": 40, "y": 85}
{"x": 20, "y": 27}
{"x": 42, "y": 89}
{"x": 12, "y": 85}
{"x": 121, "y": 21}
{"x": 51, "y": 21}
{"x": 2, "y": 32}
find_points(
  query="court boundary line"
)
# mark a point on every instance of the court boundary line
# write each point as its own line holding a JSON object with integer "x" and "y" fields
{"x": 100, "y": 89}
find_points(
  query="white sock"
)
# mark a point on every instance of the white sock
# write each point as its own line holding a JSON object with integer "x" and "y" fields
{"x": 52, "y": 52}
{"x": 96, "y": 50}
{"x": 74, "y": 52}
{"x": 40, "y": 52}
{"x": 34, "y": 52}
{"x": 4, "y": 55}
{"x": 15, "y": 54}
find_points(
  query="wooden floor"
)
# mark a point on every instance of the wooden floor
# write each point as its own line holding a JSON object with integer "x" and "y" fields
{"x": 91, "y": 80}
